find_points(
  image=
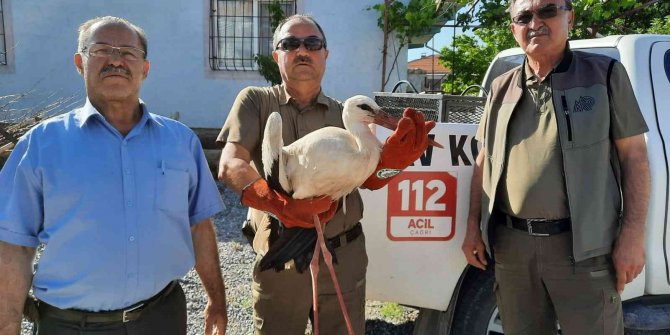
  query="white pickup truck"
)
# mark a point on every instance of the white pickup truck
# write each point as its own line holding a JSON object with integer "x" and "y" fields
{"x": 415, "y": 226}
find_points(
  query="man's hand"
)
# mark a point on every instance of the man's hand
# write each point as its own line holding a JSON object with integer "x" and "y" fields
{"x": 216, "y": 318}
{"x": 628, "y": 253}
{"x": 628, "y": 257}
{"x": 291, "y": 212}
{"x": 407, "y": 143}
{"x": 473, "y": 247}
{"x": 208, "y": 268}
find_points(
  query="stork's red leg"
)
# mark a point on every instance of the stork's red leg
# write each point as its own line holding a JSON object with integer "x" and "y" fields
{"x": 328, "y": 258}
{"x": 314, "y": 271}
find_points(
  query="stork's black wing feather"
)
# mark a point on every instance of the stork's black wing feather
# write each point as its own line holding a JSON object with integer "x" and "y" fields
{"x": 295, "y": 244}
{"x": 273, "y": 179}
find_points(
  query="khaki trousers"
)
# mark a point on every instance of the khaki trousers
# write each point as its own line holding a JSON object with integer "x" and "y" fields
{"x": 283, "y": 300}
{"x": 537, "y": 283}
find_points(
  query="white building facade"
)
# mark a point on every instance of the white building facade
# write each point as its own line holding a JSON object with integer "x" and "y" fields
{"x": 201, "y": 51}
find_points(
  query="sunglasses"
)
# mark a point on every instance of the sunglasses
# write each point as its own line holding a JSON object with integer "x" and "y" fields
{"x": 311, "y": 43}
{"x": 544, "y": 13}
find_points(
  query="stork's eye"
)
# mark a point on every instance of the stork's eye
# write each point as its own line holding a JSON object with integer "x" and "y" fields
{"x": 366, "y": 107}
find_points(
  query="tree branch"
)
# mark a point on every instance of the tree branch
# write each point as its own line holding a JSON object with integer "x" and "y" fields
{"x": 596, "y": 27}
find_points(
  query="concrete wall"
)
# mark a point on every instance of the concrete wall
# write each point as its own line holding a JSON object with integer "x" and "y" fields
{"x": 42, "y": 38}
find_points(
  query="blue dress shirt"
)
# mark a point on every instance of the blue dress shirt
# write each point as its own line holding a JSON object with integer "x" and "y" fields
{"x": 113, "y": 212}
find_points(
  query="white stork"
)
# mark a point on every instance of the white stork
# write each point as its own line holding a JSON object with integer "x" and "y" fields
{"x": 330, "y": 161}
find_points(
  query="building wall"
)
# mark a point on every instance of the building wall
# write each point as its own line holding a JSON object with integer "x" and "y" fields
{"x": 44, "y": 38}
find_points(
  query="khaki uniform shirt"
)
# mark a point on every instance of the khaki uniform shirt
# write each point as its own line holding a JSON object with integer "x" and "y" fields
{"x": 245, "y": 126}
{"x": 532, "y": 185}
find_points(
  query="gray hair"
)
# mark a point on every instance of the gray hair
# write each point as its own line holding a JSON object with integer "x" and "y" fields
{"x": 568, "y": 4}
{"x": 85, "y": 30}
{"x": 298, "y": 17}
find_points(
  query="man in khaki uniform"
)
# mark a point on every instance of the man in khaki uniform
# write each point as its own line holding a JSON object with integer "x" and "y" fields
{"x": 562, "y": 140}
{"x": 283, "y": 300}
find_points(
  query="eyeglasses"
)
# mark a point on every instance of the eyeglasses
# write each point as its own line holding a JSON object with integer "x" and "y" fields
{"x": 108, "y": 51}
{"x": 547, "y": 12}
{"x": 311, "y": 43}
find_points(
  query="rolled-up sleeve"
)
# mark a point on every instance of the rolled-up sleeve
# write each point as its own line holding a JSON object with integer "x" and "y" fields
{"x": 21, "y": 201}
{"x": 204, "y": 197}
{"x": 243, "y": 123}
{"x": 626, "y": 117}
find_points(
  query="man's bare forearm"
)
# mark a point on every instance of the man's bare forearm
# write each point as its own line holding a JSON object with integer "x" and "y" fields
{"x": 16, "y": 269}
{"x": 207, "y": 261}
{"x": 234, "y": 168}
{"x": 636, "y": 183}
{"x": 474, "y": 214}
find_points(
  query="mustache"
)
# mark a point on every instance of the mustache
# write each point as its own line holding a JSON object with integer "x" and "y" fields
{"x": 541, "y": 31}
{"x": 115, "y": 69}
{"x": 302, "y": 59}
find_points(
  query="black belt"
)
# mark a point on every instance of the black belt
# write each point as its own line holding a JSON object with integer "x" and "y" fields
{"x": 539, "y": 227}
{"x": 347, "y": 236}
{"x": 128, "y": 314}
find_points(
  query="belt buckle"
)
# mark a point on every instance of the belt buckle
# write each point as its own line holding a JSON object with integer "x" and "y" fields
{"x": 529, "y": 224}
{"x": 130, "y": 310}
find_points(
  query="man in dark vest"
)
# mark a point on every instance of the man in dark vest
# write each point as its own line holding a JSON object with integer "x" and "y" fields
{"x": 562, "y": 145}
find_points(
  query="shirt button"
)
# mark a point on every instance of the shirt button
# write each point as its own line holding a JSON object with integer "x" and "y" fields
{"x": 131, "y": 275}
{"x": 132, "y": 238}
{"x": 130, "y": 204}
{"x": 127, "y": 171}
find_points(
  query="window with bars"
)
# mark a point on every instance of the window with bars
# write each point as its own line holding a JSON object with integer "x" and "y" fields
{"x": 3, "y": 44}
{"x": 241, "y": 29}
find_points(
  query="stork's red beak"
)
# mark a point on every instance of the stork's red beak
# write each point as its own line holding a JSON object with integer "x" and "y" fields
{"x": 391, "y": 122}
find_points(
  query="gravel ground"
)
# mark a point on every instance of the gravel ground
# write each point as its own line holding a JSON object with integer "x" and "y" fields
{"x": 236, "y": 257}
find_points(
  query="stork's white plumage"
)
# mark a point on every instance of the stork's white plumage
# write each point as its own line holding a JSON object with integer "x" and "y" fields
{"x": 330, "y": 161}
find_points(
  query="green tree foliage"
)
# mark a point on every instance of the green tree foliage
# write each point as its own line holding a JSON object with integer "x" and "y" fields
{"x": 266, "y": 65}
{"x": 407, "y": 21}
{"x": 660, "y": 26}
{"x": 593, "y": 18}
{"x": 472, "y": 56}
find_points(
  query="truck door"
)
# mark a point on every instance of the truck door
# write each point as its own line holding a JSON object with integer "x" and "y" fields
{"x": 659, "y": 63}
{"x": 414, "y": 227}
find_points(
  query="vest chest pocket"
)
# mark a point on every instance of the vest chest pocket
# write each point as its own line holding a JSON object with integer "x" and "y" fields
{"x": 587, "y": 117}
{"x": 172, "y": 188}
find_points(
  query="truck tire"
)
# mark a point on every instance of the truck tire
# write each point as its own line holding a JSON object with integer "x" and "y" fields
{"x": 473, "y": 312}
{"x": 476, "y": 312}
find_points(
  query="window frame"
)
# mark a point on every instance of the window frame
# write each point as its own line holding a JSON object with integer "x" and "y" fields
{"x": 218, "y": 60}
{"x": 4, "y": 54}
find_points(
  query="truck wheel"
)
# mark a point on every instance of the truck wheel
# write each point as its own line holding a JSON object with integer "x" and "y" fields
{"x": 476, "y": 312}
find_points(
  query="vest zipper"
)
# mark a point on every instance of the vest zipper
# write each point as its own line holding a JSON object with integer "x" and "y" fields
{"x": 566, "y": 111}
{"x": 565, "y": 177}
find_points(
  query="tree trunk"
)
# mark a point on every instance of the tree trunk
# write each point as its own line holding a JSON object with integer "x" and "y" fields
{"x": 387, "y": 3}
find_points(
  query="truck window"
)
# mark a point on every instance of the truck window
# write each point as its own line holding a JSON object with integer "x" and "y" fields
{"x": 501, "y": 66}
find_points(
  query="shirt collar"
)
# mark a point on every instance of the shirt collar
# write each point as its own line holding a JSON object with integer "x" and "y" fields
{"x": 530, "y": 75}
{"x": 562, "y": 66}
{"x": 88, "y": 111}
{"x": 285, "y": 97}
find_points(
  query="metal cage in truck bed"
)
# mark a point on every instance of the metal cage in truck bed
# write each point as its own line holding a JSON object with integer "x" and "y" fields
{"x": 436, "y": 107}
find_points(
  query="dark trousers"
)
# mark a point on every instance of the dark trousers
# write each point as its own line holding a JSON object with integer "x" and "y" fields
{"x": 167, "y": 317}
{"x": 538, "y": 283}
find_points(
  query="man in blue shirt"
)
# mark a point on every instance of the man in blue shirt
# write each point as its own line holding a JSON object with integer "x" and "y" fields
{"x": 120, "y": 198}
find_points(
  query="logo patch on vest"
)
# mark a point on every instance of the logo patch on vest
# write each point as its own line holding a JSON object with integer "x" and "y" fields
{"x": 387, "y": 173}
{"x": 584, "y": 104}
